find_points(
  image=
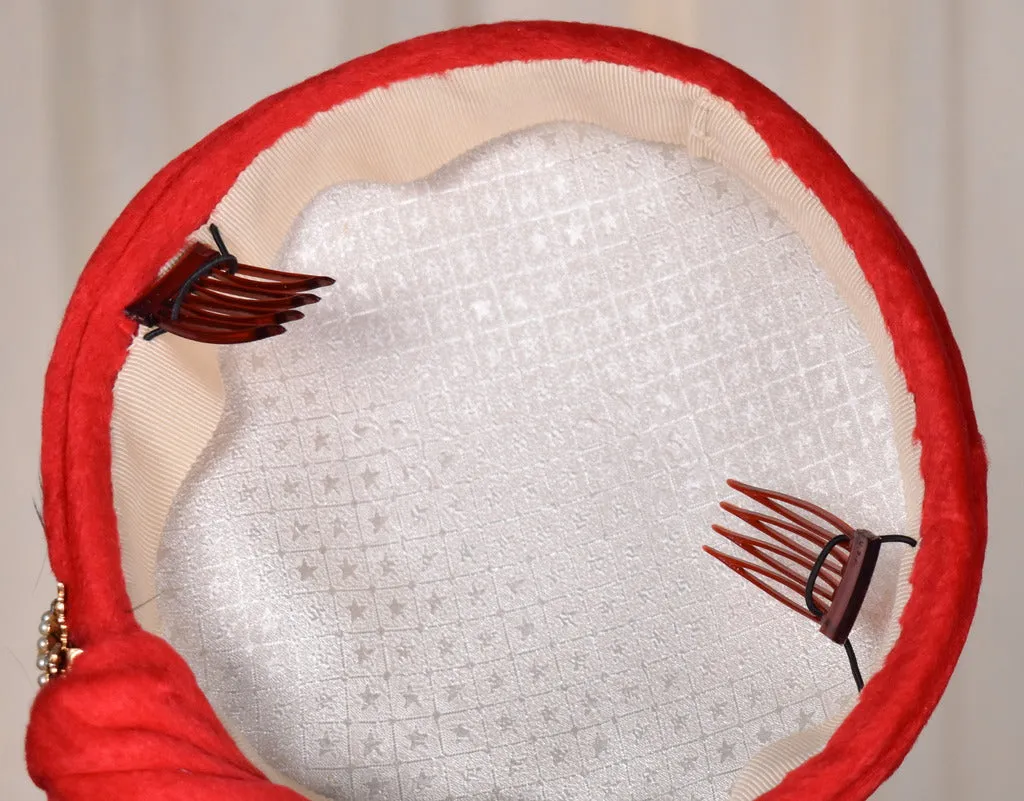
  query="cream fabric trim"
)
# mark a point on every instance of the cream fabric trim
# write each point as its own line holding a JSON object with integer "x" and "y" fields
{"x": 168, "y": 397}
{"x": 167, "y": 402}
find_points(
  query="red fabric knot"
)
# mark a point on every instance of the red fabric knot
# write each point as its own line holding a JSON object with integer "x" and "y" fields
{"x": 129, "y": 722}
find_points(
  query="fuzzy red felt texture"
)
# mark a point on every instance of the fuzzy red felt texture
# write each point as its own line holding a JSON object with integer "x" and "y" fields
{"x": 134, "y": 718}
{"x": 91, "y": 347}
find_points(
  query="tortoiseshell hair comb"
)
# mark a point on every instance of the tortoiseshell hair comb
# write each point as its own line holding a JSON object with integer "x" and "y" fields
{"x": 816, "y": 564}
{"x": 209, "y": 296}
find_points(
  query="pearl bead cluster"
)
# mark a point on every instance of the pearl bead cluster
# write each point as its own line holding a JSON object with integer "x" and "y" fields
{"x": 54, "y": 654}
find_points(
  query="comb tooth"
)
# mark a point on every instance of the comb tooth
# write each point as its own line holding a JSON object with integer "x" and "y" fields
{"x": 267, "y": 331}
{"x": 760, "y": 550}
{"x": 795, "y": 521}
{"x": 238, "y": 321}
{"x": 262, "y": 287}
{"x": 283, "y": 277}
{"x": 215, "y": 336}
{"x": 750, "y": 572}
{"x": 763, "y": 522}
{"x": 246, "y": 302}
{"x": 778, "y": 503}
{"x": 769, "y": 525}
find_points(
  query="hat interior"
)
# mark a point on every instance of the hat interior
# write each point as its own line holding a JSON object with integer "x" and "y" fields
{"x": 442, "y": 538}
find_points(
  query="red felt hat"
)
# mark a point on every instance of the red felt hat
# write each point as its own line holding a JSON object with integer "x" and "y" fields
{"x": 442, "y": 538}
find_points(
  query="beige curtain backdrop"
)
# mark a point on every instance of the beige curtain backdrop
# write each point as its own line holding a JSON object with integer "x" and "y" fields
{"x": 922, "y": 97}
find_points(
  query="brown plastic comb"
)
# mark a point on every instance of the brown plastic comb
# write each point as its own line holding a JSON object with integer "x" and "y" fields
{"x": 812, "y": 561}
{"x": 209, "y": 296}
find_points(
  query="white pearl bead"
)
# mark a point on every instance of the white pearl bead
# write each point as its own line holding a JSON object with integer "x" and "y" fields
{"x": 44, "y": 628}
{"x": 43, "y": 644}
{"x": 43, "y": 662}
{"x": 43, "y": 679}
{"x": 47, "y": 616}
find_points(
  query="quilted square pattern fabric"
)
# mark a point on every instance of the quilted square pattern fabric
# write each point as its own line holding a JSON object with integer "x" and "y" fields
{"x": 445, "y": 542}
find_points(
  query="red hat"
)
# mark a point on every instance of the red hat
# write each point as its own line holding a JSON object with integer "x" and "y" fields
{"x": 443, "y": 537}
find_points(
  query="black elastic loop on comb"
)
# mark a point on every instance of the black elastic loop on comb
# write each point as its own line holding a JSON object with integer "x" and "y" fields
{"x": 854, "y": 667}
{"x": 149, "y": 336}
{"x": 201, "y": 272}
{"x": 815, "y": 610}
{"x": 813, "y": 577}
{"x": 218, "y": 240}
{"x": 899, "y": 538}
